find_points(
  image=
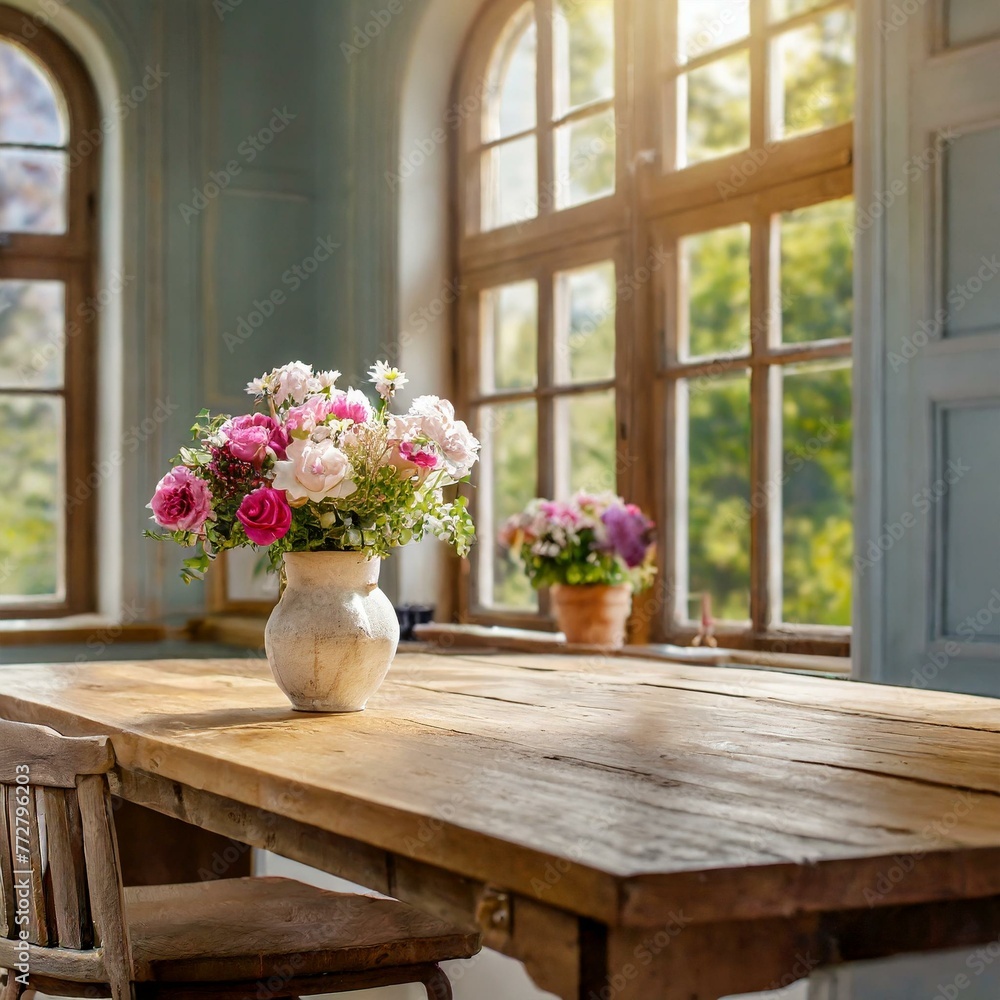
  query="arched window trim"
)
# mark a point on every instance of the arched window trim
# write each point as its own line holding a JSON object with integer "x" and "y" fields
{"x": 654, "y": 206}
{"x": 69, "y": 257}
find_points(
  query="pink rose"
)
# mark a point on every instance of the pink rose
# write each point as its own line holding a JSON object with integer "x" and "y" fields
{"x": 250, "y": 438}
{"x": 422, "y": 456}
{"x": 301, "y": 421}
{"x": 182, "y": 501}
{"x": 265, "y": 515}
{"x": 352, "y": 405}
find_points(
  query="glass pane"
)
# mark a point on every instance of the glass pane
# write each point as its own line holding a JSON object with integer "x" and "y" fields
{"x": 715, "y": 285}
{"x": 512, "y": 108}
{"x": 718, "y": 502}
{"x": 584, "y": 36}
{"x": 508, "y": 472}
{"x": 510, "y": 337}
{"x": 703, "y": 27}
{"x": 815, "y": 64}
{"x": 585, "y": 443}
{"x": 31, "y": 110}
{"x": 585, "y": 159}
{"x": 31, "y": 450}
{"x": 585, "y": 324}
{"x": 817, "y": 495}
{"x": 716, "y": 103}
{"x": 510, "y": 183}
{"x": 31, "y": 334}
{"x": 782, "y": 9}
{"x": 32, "y": 191}
{"x": 817, "y": 272}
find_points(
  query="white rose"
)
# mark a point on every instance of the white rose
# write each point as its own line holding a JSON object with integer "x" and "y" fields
{"x": 458, "y": 445}
{"x": 315, "y": 470}
{"x": 294, "y": 382}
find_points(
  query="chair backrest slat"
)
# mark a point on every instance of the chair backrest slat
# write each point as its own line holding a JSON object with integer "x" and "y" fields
{"x": 58, "y": 853}
{"x": 26, "y": 859}
{"x": 107, "y": 898}
{"x": 67, "y": 870}
{"x": 48, "y": 758}
{"x": 8, "y": 903}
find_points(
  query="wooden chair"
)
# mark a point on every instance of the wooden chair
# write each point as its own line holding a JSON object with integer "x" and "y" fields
{"x": 70, "y": 929}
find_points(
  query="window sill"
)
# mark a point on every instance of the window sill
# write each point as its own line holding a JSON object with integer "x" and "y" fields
{"x": 481, "y": 637}
{"x": 77, "y": 629}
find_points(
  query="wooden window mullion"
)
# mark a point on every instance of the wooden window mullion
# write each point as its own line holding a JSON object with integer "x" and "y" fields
{"x": 760, "y": 76}
{"x": 762, "y": 431}
{"x": 545, "y": 96}
{"x": 546, "y": 401}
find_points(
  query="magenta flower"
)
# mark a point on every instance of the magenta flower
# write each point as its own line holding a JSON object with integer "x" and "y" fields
{"x": 252, "y": 437}
{"x": 266, "y": 515}
{"x": 630, "y": 533}
{"x": 301, "y": 421}
{"x": 421, "y": 455}
{"x": 182, "y": 501}
{"x": 352, "y": 405}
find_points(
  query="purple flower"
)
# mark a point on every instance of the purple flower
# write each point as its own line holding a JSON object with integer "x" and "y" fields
{"x": 630, "y": 533}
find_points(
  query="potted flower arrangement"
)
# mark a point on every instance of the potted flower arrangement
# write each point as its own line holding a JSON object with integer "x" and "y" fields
{"x": 593, "y": 552}
{"x": 328, "y": 484}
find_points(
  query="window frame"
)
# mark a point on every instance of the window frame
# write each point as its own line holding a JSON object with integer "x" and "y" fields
{"x": 70, "y": 257}
{"x": 654, "y": 205}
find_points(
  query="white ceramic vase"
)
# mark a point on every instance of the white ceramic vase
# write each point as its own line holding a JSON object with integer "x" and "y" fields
{"x": 332, "y": 636}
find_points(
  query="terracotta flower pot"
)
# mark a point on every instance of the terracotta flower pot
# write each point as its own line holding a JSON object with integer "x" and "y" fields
{"x": 593, "y": 614}
{"x": 331, "y": 638}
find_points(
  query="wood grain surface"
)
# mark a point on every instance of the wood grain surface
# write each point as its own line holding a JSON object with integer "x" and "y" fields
{"x": 622, "y": 790}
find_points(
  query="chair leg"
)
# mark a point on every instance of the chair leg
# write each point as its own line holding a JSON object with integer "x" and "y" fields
{"x": 438, "y": 986}
{"x": 11, "y": 989}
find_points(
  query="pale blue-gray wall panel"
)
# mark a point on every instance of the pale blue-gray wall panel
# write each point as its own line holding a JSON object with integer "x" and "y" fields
{"x": 972, "y": 234}
{"x": 972, "y": 20}
{"x": 969, "y": 542}
{"x": 262, "y": 312}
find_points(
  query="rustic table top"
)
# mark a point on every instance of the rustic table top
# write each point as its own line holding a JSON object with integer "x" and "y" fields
{"x": 620, "y": 789}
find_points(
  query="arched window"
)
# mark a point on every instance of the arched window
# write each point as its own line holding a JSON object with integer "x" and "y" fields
{"x": 48, "y": 125}
{"x": 655, "y": 241}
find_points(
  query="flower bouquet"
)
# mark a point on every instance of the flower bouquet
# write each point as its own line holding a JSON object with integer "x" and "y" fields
{"x": 321, "y": 473}
{"x": 593, "y": 551}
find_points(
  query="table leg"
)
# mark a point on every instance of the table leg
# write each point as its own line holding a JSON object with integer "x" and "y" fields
{"x": 684, "y": 961}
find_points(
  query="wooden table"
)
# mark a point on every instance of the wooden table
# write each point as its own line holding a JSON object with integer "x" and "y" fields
{"x": 627, "y": 828}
